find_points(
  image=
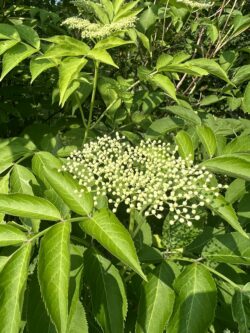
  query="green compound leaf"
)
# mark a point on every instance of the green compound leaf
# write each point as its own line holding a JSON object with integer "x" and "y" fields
{"x": 53, "y": 273}
{"x": 10, "y": 235}
{"x": 156, "y": 300}
{"x": 231, "y": 248}
{"x": 107, "y": 291}
{"x": 196, "y": 301}
{"x": 25, "y": 205}
{"x": 114, "y": 237}
{"x": 12, "y": 285}
{"x": 241, "y": 308}
{"x": 66, "y": 187}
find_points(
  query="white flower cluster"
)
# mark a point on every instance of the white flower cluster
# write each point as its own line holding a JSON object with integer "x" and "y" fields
{"x": 147, "y": 177}
{"x": 195, "y": 4}
{"x": 98, "y": 30}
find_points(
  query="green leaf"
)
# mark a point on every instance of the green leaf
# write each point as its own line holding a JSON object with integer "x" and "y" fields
{"x": 68, "y": 189}
{"x": 232, "y": 165}
{"x": 37, "y": 66}
{"x": 77, "y": 322}
{"x": 156, "y": 300}
{"x": 112, "y": 235}
{"x": 163, "y": 61}
{"x": 14, "y": 56}
{"x": 6, "y": 45}
{"x": 68, "y": 72}
{"x": 145, "y": 41}
{"x": 37, "y": 318}
{"x": 186, "y": 114}
{"x": 101, "y": 55}
{"x": 185, "y": 145}
{"x": 184, "y": 68}
{"x": 163, "y": 125}
{"x": 107, "y": 291}
{"x": 42, "y": 160}
{"x": 211, "y": 66}
{"x": 226, "y": 211}
{"x": 12, "y": 286}
{"x": 196, "y": 291}
{"x": 8, "y": 31}
{"x": 231, "y": 248}
{"x": 53, "y": 273}
{"x": 25, "y": 205}
{"x": 4, "y": 188}
{"x": 240, "y": 144}
{"x": 148, "y": 18}
{"x": 10, "y": 235}
{"x": 29, "y": 35}
{"x": 240, "y": 23}
{"x": 111, "y": 42}
{"x": 244, "y": 208}
{"x": 21, "y": 181}
{"x": 65, "y": 46}
{"x": 241, "y": 308}
{"x": 11, "y": 152}
{"x": 241, "y": 75}
{"x": 246, "y": 99}
{"x": 163, "y": 82}
{"x": 208, "y": 139}
{"x": 235, "y": 191}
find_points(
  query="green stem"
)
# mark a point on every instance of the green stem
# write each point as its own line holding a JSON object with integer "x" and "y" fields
{"x": 92, "y": 103}
{"x": 81, "y": 110}
{"x": 39, "y": 234}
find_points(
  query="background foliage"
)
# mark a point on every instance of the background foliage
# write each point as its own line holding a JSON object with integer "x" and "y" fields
{"x": 180, "y": 74}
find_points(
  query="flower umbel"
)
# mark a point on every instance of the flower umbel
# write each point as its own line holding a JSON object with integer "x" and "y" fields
{"x": 147, "y": 177}
{"x": 196, "y": 4}
{"x": 98, "y": 30}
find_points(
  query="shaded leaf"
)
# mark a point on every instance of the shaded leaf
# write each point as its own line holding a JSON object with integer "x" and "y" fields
{"x": 14, "y": 56}
{"x": 107, "y": 291}
{"x": 231, "y": 248}
{"x": 195, "y": 290}
{"x": 156, "y": 300}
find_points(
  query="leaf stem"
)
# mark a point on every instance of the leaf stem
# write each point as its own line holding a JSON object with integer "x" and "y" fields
{"x": 92, "y": 103}
{"x": 81, "y": 110}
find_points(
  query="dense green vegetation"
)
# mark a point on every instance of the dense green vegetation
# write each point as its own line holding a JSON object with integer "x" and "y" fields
{"x": 124, "y": 166}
